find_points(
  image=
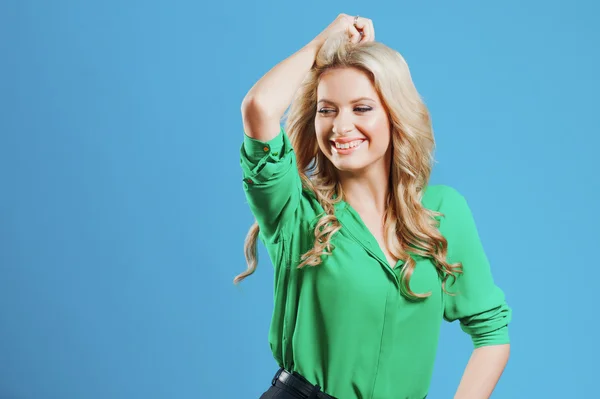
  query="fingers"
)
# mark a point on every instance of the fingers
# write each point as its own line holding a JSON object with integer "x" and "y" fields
{"x": 365, "y": 26}
{"x": 354, "y": 34}
{"x": 372, "y": 30}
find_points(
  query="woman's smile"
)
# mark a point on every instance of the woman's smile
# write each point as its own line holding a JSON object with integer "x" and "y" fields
{"x": 345, "y": 147}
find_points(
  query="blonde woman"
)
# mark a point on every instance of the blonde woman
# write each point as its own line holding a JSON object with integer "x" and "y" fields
{"x": 368, "y": 258}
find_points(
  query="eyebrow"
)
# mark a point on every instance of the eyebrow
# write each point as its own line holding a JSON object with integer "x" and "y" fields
{"x": 324, "y": 100}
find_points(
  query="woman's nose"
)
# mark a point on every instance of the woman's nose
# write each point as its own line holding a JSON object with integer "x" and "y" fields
{"x": 342, "y": 124}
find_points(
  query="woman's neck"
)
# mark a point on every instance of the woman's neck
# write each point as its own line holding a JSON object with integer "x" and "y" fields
{"x": 366, "y": 192}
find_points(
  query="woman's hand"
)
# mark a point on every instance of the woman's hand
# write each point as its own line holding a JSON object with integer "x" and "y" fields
{"x": 363, "y": 31}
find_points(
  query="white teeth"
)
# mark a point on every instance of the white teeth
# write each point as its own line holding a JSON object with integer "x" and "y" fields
{"x": 348, "y": 145}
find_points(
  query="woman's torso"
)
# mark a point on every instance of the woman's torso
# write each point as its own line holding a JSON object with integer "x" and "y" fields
{"x": 344, "y": 324}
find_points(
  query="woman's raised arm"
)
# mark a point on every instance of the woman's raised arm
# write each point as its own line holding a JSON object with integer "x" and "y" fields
{"x": 266, "y": 102}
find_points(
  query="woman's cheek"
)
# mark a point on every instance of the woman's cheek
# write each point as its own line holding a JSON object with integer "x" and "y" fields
{"x": 322, "y": 140}
{"x": 376, "y": 127}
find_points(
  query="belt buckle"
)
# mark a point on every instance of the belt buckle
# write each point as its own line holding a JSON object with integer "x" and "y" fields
{"x": 277, "y": 374}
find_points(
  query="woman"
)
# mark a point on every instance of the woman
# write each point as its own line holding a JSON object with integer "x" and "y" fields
{"x": 368, "y": 257}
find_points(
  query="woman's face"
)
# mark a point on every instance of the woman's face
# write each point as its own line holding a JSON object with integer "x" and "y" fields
{"x": 352, "y": 126}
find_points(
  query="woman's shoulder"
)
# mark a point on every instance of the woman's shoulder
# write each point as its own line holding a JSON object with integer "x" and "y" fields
{"x": 439, "y": 196}
{"x": 306, "y": 216}
{"x": 310, "y": 207}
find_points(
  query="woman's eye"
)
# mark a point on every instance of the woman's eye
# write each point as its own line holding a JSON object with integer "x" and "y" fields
{"x": 359, "y": 109}
{"x": 324, "y": 111}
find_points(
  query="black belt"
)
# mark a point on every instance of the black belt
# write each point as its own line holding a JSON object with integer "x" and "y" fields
{"x": 300, "y": 384}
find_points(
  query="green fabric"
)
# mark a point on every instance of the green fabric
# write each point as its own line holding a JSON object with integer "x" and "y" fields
{"x": 344, "y": 324}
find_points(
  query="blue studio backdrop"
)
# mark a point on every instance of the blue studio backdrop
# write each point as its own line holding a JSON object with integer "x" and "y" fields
{"x": 122, "y": 215}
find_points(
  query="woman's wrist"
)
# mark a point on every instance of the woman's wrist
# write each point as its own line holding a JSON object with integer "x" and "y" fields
{"x": 314, "y": 45}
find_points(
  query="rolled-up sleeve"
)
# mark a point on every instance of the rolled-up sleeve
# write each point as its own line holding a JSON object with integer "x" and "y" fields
{"x": 271, "y": 181}
{"x": 476, "y": 300}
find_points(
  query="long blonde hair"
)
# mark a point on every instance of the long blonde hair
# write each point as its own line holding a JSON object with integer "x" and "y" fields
{"x": 408, "y": 226}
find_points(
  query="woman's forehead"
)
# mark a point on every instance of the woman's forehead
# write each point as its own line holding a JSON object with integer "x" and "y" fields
{"x": 345, "y": 84}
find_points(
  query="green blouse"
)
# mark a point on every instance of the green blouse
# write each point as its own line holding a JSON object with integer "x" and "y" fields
{"x": 344, "y": 324}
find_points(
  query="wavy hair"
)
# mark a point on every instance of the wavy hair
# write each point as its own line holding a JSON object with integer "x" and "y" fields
{"x": 409, "y": 227}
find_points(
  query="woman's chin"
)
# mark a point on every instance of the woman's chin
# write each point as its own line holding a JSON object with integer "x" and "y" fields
{"x": 349, "y": 165}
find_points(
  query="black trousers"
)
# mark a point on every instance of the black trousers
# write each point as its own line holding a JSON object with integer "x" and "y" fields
{"x": 279, "y": 390}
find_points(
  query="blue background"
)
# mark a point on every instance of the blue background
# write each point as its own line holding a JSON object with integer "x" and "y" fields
{"x": 122, "y": 215}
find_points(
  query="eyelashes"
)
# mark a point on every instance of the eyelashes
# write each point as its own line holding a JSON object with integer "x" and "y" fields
{"x": 325, "y": 111}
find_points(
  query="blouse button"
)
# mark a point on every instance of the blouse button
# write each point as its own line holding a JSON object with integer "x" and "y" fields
{"x": 266, "y": 149}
